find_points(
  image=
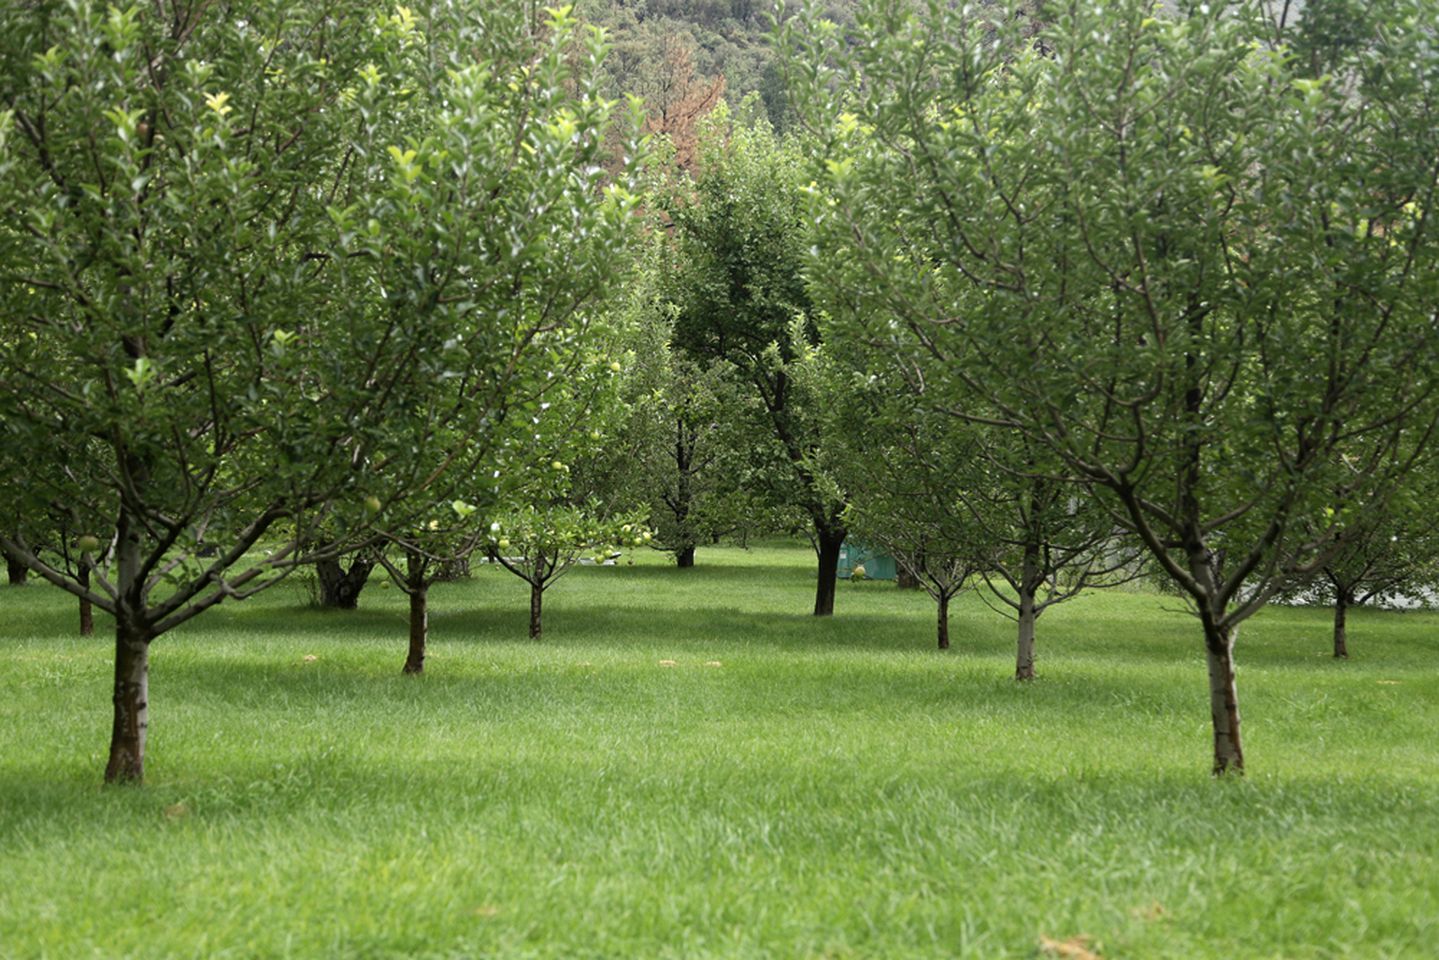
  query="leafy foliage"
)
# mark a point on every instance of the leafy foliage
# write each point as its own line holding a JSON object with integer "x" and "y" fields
{"x": 279, "y": 271}
{"x": 1200, "y": 277}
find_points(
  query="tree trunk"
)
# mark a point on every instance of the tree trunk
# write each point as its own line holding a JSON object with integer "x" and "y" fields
{"x": 419, "y": 629}
{"x": 1341, "y": 617}
{"x": 417, "y": 585}
{"x": 1030, "y": 577}
{"x": 340, "y": 588}
{"x": 1223, "y": 700}
{"x": 537, "y": 596}
{"x": 15, "y": 571}
{"x": 831, "y": 538}
{"x": 683, "y": 502}
{"x": 943, "y": 625}
{"x": 905, "y": 580}
{"x": 1024, "y": 659}
{"x": 87, "y": 612}
{"x": 453, "y": 570}
{"x": 132, "y": 707}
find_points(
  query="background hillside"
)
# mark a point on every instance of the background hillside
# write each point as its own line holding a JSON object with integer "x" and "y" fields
{"x": 726, "y": 39}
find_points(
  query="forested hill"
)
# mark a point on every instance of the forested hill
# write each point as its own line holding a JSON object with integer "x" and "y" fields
{"x": 722, "y": 38}
{"x": 661, "y": 45}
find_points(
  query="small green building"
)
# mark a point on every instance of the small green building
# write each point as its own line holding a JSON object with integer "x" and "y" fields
{"x": 877, "y": 566}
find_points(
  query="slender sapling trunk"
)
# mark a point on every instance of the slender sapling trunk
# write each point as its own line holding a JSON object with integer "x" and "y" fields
{"x": 1029, "y": 579}
{"x": 1024, "y": 658}
{"x": 133, "y": 633}
{"x": 1341, "y": 617}
{"x": 537, "y": 596}
{"x": 418, "y": 587}
{"x": 943, "y": 625}
{"x": 87, "y": 612}
{"x": 419, "y": 630}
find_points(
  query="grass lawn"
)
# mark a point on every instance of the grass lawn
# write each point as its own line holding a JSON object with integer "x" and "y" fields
{"x": 834, "y": 788}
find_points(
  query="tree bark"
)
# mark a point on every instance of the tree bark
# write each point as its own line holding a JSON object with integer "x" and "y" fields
{"x": 1341, "y": 617}
{"x": 1223, "y": 700}
{"x": 133, "y": 633}
{"x": 1024, "y": 658}
{"x": 417, "y": 585}
{"x": 905, "y": 580}
{"x": 683, "y": 502}
{"x": 943, "y": 625}
{"x": 1030, "y": 577}
{"x": 15, "y": 571}
{"x": 340, "y": 588}
{"x": 537, "y": 596}
{"x": 87, "y": 612}
{"x": 453, "y": 570}
{"x": 132, "y": 707}
{"x": 831, "y": 538}
{"x": 419, "y": 629}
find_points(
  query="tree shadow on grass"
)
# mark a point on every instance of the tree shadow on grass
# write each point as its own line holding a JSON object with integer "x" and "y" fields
{"x": 550, "y": 694}
{"x": 311, "y": 785}
{"x": 670, "y": 575}
{"x": 698, "y": 625}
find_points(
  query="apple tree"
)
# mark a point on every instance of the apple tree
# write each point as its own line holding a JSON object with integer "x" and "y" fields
{"x": 259, "y": 270}
{"x": 1199, "y": 275}
{"x": 742, "y": 236}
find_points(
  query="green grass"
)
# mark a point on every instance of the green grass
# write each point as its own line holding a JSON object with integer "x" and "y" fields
{"x": 835, "y": 789}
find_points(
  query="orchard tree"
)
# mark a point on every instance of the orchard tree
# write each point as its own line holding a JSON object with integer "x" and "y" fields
{"x": 1047, "y": 538}
{"x": 573, "y": 491}
{"x": 903, "y": 469}
{"x": 742, "y": 236}
{"x": 423, "y": 554}
{"x": 1201, "y": 277}
{"x": 687, "y": 417}
{"x": 540, "y": 543}
{"x": 274, "y": 296}
{"x": 903, "y": 500}
{"x": 1391, "y": 560}
{"x": 1385, "y": 555}
{"x": 955, "y": 501}
{"x": 696, "y": 461}
{"x": 59, "y": 532}
{"x": 586, "y": 409}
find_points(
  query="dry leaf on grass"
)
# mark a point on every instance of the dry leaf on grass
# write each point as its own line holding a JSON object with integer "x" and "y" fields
{"x": 176, "y": 810}
{"x": 668, "y": 663}
{"x": 310, "y": 658}
{"x": 1155, "y": 911}
{"x": 487, "y": 910}
{"x": 713, "y": 663}
{"x": 1075, "y": 948}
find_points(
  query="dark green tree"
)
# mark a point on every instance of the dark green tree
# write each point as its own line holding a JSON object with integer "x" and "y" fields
{"x": 741, "y": 233}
